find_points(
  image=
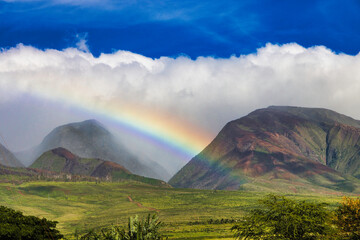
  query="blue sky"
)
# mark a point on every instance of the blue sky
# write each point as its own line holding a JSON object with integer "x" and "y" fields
{"x": 172, "y": 28}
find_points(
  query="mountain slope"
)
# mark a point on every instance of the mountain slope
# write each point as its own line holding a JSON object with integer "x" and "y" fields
{"x": 89, "y": 139}
{"x": 343, "y": 149}
{"x": 301, "y": 145}
{"x": 60, "y": 160}
{"x": 8, "y": 159}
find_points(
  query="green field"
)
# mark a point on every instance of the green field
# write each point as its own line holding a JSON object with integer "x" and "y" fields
{"x": 185, "y": 212}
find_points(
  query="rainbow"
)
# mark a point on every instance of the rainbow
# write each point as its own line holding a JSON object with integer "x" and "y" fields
{"x": 158, "y": 128}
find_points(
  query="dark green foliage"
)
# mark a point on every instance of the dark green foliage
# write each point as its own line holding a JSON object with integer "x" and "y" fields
{"x": 282, "y": 218}
{"x": 14, "y": 225}
{"x": 146, "y": 229}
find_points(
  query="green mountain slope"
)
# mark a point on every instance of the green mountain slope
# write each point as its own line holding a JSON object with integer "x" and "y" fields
{"x": 8, "y": 159}
{"x": 315, "y": 147}
{"x": 90, "y": 139}
{"x": 60, "y": 160}
{"x": 343, "y": 149}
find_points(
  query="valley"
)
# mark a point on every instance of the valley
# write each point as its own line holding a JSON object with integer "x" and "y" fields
{"x": 82, "y": 177}
{"x": 173, "y": 120}
{"x": 186, "y": 213}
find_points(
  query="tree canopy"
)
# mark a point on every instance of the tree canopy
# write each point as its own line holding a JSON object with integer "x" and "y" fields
{"x": 145, "y": 229}
{"x": 14, "y": 225}
{"x": 283, "y": 218}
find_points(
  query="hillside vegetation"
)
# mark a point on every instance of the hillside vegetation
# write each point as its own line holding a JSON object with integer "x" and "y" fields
{"x": 186, "y": 213}
{"x": 60, "y": 160}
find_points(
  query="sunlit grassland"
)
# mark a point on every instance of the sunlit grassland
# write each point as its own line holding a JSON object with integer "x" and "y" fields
{"x": 185, "y": 212}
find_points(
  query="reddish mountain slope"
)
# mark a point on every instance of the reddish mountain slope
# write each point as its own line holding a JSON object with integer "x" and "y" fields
{"x": 60, "y": 160}
{"x": 90, "y": 139}
{"x": 293, "y": 144}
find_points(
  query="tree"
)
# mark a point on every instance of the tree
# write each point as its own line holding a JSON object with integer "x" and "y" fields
{"x": 148, "y": 228}
{"x": 347, "y": 218}
{"x": 14, "y": 225}
{"x": 145, "y": 229}
{"x": 282, "y": 218}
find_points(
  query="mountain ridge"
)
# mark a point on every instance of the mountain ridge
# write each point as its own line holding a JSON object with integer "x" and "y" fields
{"x": 60, "y": 160}
{"x": 273, "y": 143}
{"x": 90, "y": 139}
{"x": 7, "y": 158}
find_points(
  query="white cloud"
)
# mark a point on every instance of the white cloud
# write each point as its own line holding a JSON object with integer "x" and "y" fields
{"x": 82, "y": 42}
{"x": 206, "y": 92}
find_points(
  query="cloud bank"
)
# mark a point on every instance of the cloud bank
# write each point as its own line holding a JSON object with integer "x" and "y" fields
{"x": 206, "y": 92}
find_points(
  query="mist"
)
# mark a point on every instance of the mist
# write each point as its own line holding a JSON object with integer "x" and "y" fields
{"x": 205, "y": 93}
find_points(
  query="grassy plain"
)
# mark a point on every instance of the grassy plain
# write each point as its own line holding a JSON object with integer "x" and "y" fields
{"x": 185, "y": 212}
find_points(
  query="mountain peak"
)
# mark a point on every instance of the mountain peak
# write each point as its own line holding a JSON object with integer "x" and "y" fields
{"x": 90, "y": 139}
{"x": 320, "y": 115}
{"x": 62, "y": 152}
{"x": 313, "y": 146}
{"x": 88, "y": 126}
{"x": 92, "y": 122}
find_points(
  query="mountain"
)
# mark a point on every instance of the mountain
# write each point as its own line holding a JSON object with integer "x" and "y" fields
{"x": 90, "y": 139}
{"x": 8, "y": 159}
{"x": 60, "y": 160}
{"x": 292, "y": 145}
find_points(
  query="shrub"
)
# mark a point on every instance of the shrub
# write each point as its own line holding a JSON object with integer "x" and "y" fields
{"x": 282, "y": 218}
{"x": 347, "y": 218}
{"x": 146, "y": 229}
{"x": 14, "y": 225}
